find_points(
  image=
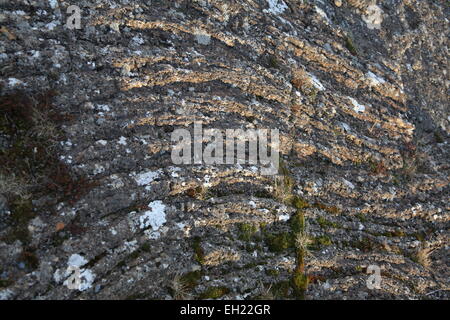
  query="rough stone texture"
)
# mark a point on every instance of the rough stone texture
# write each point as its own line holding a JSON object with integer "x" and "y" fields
{"x": 363, "y": 116}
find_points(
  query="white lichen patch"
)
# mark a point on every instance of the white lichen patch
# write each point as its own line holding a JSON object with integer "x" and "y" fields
{"x": 122, "y": 141}
{"x": 174, "y": 172}
{"x": 76, "y": 260}
{"x": 103, "y": 107}
{"x": 52, "y": 25}
{"x": 346, "y": 127}
{"x": 87, "y": 278}
{"x": 145, "y": 178}
{"x": 116, "y": 182}
{"x": 374, "y": 80}
{"x": 316, "y": 83}
{"x": 202, "y": 37}
{"x": 276, "y": 6}
{"x": 357, "y": 106}
{"x": 323, "y": 14}
{"x": 53, "y": 3}
{"x": 84, "y": 278}
{"x": 348, "y": 184}
{"x": 5, "y": 294}
{"x": 13, "y": 82}
{"x": 102, "y": 142}
{"x": 155, "y": 217}
{"x": 137, "y": 40}
{"x": 373, "y": 17}
{"x": 283, "y": 217}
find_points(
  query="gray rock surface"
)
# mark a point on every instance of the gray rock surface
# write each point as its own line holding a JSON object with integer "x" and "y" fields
{"x": 361, "y": 102}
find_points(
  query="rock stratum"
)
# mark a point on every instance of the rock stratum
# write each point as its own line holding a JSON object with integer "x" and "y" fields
{"x": 357, "y": 89}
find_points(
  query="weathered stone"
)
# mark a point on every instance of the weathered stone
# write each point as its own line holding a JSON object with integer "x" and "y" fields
{"x": 361, "y": 104}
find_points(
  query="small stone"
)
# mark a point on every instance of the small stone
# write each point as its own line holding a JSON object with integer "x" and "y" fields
{"x": 338, "y": 3}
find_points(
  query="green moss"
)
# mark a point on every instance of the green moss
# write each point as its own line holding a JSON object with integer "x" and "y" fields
{"x": 322, "y": 241}
{"x": 395, "y": 233}
{"x": 273, "y": 62}
{"x": 287, "y": 179}
{"x": 263, "y": 194}
{"x": 361, "y": 217}
{"x": 134, "y": 255}
{"x": 364, "y": 245}
{"x": 146, "y": 247}
{"x": 272, "y": 272}
{"x": 297, "y": 222}
{"x": 191, "y": 279}
{"x": 312, "y": 94}
{"x": 281, "y": 290}
{"x": 420, "y": 236}
{"x": 214, "y": 293}
{"x": 21, "y": 214}
{"x": 137, "y": 296}
{"x": 199, "y": 254}
{"x": 350, "y": 45}
{"x": 280, "y": 242}
{"x": 438, "y": 137}
{"x": 246, "y": 231}
{"x": 251, "y": 265}
{"x": 5, "y": 283}
{"x": 299, "y": 203}
{"x": 324, "y": 223}
{"x": 300, "y": 284}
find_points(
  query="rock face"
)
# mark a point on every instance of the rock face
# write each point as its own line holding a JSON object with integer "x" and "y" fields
{"x": 357, "y": 89}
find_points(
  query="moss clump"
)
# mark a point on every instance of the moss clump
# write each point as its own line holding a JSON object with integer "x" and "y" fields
{"x": 420, "y": 236}
{"x": 312, "y": 94}
{"x": 4, "y": 283}
{"x": 273, "y": 62}
{"x": 299, "y": 203}
{"x": 322, "y": 241}
{"x": 329, "y": 209}
{"x": 365, "y": 245}
{"x": 134, "y": 255}
{"x": 438, "y": 137}
{"x": 395, "y": 233}
{"x": 300, "y": 284}
{"x": 246, "y": 231}
{"x": 214, "y": 293}
{"x": 281, "y": 290}
{"x": 272, "y": 272}
{"x": 191, "y": 279}
{"x": 361, "y": 217}
{"x": 324, "y": 223}
{"x": 297, "y": 223}
{"x": 280, "y": 242}
{"x": 199, "y": 253}
{"x": 146, "y": 247}
{"x": 263, "y": 194}
{"x": 21, "y": 214}
{"x": 350, "y": 45}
